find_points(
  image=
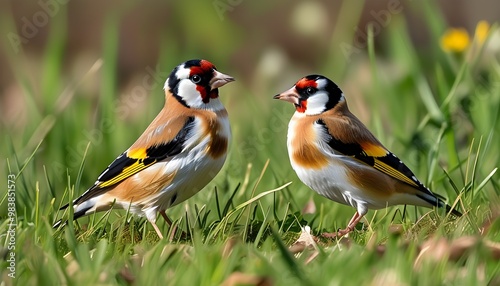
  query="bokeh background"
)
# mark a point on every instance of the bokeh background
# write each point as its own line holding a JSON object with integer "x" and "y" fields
{"x": 82, "y": 79}
{"x": 260, "y": 43}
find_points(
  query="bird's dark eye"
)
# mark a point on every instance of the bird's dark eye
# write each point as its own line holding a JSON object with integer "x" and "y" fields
{"x": 310, "y": 90}
{"x": 195, "y": 79}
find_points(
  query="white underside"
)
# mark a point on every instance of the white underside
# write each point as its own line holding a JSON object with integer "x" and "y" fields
{"x": 193, "y": 169}
{"x": 332, "y": 182}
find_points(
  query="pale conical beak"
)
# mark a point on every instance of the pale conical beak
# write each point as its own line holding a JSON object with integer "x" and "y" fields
{"x": 219, "y": 79}
{"x": 290, "y": 95}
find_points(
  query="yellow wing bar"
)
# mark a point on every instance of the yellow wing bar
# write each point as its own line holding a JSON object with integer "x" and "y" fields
{"x": 126, "y": 172}
{"x": 391, "y": 171}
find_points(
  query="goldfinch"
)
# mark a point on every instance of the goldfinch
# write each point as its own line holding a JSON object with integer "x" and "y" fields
{"x": 334, "y": 154}
{"x": 177, "y": 155}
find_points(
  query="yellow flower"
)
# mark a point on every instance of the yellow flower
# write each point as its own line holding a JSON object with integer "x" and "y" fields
{"x": 482, "y": 30}
{"x": 455, "y": 40}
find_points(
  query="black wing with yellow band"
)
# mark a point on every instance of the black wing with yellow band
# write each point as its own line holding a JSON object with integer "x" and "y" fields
{"x": 135, "y": 160}
{"x": 376, "y": 156}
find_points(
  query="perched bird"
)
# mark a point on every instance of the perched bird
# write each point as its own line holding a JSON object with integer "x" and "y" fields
{"x": 334, "y": 154}
{"x": 179, "y": 153}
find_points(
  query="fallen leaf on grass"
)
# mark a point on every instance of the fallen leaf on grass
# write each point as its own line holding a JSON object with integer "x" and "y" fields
{"x": 441, "y": 249}
{"x": 305, "y": 241}
{"x": 240, "y": 278}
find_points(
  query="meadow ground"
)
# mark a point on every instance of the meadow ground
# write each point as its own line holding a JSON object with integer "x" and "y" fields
{"x": 438, "y": 110}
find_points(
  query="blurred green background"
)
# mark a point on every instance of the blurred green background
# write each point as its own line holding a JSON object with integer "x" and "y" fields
{"x": 81, "y": 80}
{"x": 75, "y": 73}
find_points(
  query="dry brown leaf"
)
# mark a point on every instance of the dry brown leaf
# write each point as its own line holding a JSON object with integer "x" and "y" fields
{"x": 441, "y": 249}
{"x": 459, "y": 246}
{"x": 297, "y": 247}
{"x": 306, "y": 240}
{"x": 432, "y": 249}
{"x": 240, "y": 278}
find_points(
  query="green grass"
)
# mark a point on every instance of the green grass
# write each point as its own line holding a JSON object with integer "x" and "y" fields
{"x": 439, "y": 112}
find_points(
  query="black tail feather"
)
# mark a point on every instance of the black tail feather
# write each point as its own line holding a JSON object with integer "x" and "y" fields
{"x": 76, "y": 215}
{"x": 64, "y": 207}
{"x": 438, "y": 202}
{"x": 452, "y": 210}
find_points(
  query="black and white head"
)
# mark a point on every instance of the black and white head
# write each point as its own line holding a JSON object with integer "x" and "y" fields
{"x": 196, "y": 83}
{"x": 313, "y": 94}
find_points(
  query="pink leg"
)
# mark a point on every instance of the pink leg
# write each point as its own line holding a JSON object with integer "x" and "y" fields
{"x": 169, "y": 222}
{"x": 354, "y": 220}
{"x": 165, "y": 217}
{"x": 156, "y": 229}
{"x": 350, "y": 227}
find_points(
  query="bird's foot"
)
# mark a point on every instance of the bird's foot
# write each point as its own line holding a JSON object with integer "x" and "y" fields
{"x": 340, "y": 233}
